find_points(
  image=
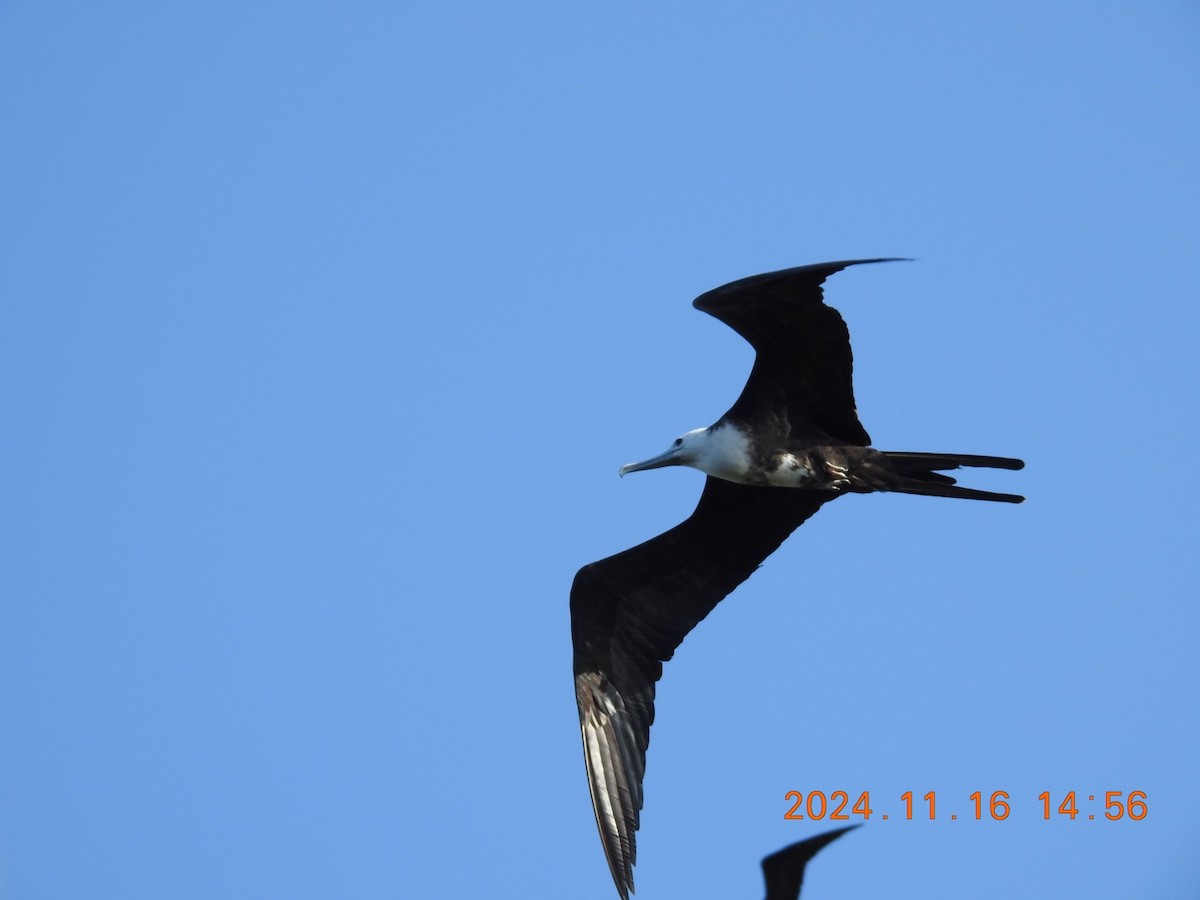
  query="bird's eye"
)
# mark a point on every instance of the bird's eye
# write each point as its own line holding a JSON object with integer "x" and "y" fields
{"x": 678, "y": 442}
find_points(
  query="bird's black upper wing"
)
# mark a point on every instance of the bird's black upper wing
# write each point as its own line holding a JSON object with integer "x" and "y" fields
{"x": 803, "y": 362}
{"x": 628, "y": 614}
{"x": 784, "y": 869}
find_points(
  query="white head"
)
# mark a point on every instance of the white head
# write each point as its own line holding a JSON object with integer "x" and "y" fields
{"x": 720, "y": 451}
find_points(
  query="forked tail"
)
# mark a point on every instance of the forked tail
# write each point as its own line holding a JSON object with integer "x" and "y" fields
{"x": 919, "y": 473}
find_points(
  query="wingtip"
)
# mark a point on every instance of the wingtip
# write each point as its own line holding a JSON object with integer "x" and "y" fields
{"x": 816, "y": 272}
{"x": 784, "y": 869}
{"x": 616, "y": 810}
{"x": 846, "y": 263}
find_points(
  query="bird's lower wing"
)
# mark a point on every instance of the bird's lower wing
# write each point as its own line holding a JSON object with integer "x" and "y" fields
{"x": 628, "y": 614}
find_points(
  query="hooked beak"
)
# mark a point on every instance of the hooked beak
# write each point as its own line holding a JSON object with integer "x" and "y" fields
{"x": 670, "y": 458}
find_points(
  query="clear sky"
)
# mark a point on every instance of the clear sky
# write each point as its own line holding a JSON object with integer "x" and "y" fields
{"x": 325, "y": 328}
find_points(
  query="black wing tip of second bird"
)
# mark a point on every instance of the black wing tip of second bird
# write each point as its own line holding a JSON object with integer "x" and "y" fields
{"x": 783, "y": 870}
{"x": 814, "y": 843}
{"x": 823, "y": 270}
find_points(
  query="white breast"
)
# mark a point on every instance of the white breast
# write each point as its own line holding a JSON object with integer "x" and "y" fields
{"x": 725, "y": 454}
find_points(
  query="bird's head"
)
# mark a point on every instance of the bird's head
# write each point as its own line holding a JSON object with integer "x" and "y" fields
{"x": 689, "y": 449}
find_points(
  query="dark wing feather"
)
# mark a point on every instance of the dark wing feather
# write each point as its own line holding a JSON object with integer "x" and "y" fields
{"x": 784, "y": 869}
{"x": 628, "y": 614}
{"x": 802, "y": 351}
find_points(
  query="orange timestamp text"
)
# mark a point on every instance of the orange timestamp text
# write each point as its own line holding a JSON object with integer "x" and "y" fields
{"x": 837, "y": 806}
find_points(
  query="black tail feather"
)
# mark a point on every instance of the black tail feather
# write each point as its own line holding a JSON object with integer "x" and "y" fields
{"x": 928, "y": 489}
{"x": 935, "y": 461}
{"x": 918, "y": 473}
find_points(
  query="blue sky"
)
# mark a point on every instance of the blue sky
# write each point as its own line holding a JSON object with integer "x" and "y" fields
{"x": 326, "y": 329}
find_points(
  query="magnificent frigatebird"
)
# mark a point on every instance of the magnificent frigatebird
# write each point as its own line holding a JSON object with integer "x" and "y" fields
{"x": 783, "y": 870}
{"x": 790, "y": 443}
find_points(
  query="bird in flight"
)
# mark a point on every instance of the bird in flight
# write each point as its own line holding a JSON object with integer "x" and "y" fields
{"x": 783, "y": 870}
{"x": 791, "y": 442}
